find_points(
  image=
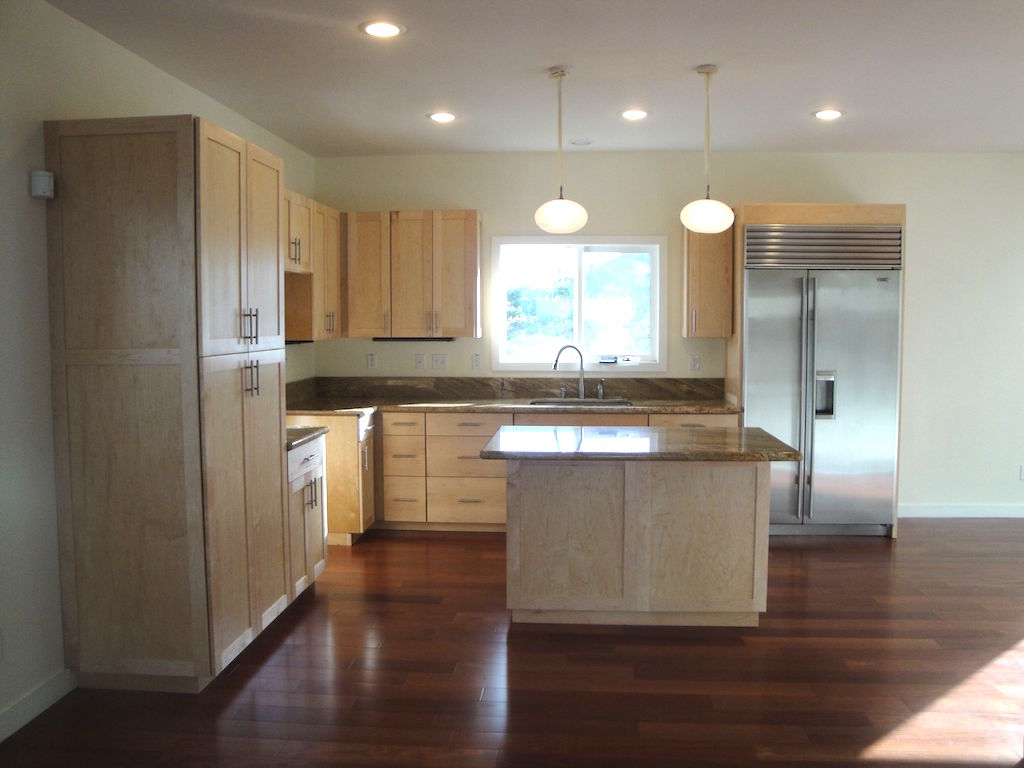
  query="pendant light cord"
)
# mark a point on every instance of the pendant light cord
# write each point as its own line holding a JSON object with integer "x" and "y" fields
{"x": 707, "y": 135}
{"x": 558, "y": 78}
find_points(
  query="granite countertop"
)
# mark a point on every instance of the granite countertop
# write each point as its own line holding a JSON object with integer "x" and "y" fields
{"x": 637, "y": 444}
{"x": 522, "y": 405}
{"x": 301, "y": 435}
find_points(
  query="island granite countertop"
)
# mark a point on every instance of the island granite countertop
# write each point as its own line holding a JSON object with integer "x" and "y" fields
{"x": 637, "y": 444}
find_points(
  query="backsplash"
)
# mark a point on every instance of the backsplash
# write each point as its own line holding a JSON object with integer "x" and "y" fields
{"x": 330, "y": 392}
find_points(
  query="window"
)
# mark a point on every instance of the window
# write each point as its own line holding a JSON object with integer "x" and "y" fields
{"x": 603, "y": 295}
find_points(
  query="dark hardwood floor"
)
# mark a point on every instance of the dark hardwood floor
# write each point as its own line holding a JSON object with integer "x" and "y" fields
{"x": 904, "y": 653}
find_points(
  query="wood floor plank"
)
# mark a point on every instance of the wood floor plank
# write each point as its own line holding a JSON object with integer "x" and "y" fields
{"x": 873, "y": 652}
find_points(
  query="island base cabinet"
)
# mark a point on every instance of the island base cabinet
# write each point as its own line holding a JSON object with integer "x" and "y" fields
{"x": 637, "y": 542}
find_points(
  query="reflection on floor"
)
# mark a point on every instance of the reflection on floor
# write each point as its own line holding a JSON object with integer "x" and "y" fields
{"x": 872, "y": 652}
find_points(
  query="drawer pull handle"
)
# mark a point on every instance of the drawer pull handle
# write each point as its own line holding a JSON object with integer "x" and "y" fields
{"x": 406, "y": 501}
{"x": 471, "y": 501}
{"x": 469, "y": 424}
{"x": 468, "y": 458}
{"x": 310, "y": 458}
{"x": 403, "y": 423}
{"x": 403, "y": 455}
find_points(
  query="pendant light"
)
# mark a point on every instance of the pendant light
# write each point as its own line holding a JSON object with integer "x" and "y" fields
{"x": 560, "y": 216}
{"x": 707, "y": 215}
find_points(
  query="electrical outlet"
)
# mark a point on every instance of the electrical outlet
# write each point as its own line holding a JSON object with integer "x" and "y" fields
{"x": 419, "y": 360}
{"x": 371, "y": 359}
{"x": 694, "y": 362}
{"x": 439, "y": 362}
{"x": 474, "y": 361}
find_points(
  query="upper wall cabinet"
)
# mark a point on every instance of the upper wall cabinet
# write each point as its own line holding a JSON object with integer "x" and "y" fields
{"x": 413, "y": 274}
{"x": 240, "y": 238}
{"x": 299, "y": 217}
{"x": 313, "y": 299}
{"x": 707, "y": 294}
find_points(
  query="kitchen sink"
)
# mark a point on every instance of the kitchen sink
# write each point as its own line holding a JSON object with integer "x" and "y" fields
{"x": 576, "y": 401}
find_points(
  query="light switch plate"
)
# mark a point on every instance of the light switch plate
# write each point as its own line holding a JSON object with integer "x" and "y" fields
{"x": 439, "y": 362}
{"x": 419, "y": 361}
{"x": 371, "y": 359}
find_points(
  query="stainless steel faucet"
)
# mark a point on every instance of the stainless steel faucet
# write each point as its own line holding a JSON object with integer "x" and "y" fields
{"x": 555, "y": 366}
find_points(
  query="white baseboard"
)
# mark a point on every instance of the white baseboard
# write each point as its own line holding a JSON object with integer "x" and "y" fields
{"x": 33, "y": 703}
{"x": 961, "y": 510}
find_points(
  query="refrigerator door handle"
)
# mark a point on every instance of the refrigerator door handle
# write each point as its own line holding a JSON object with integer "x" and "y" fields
{"x": 809, "y": 404}
{"x": 825, "y": 395}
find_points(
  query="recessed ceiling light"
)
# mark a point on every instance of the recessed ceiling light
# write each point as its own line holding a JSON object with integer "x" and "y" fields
{"x": 382, "y": 29}
{"x": 442, "y": 117}
{"x": 634, "y": 114}
{"x": 828, "y": 114}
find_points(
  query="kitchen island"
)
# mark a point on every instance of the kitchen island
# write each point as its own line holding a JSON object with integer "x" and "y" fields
{"x": 637, "y": 525}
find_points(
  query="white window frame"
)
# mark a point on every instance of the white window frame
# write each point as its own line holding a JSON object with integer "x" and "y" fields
{"x": 659, "y": 280}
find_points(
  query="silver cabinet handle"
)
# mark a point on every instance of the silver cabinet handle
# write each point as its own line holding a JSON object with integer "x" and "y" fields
{"x": 426, "y": 323}
{"x": 310, "y": 457}
{"x": 437, "y": 322}
{"x": 403, "y": 423}
{"x": 256, "y": 393}
{"x": 471, "y": 501}
{"x": 693, "y": 322}
{"x": 297, "y": 258}
{"x": 406, "y": 501}
{"x": 403, "y": 455}
{"x": 469, "y": 424}
{"x": 256, "y": 332}
{"x": 366, "y": 457}
{"x": 251, "y": 389}
{"x": 467, "y": 458}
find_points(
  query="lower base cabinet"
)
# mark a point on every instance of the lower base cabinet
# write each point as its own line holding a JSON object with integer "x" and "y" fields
{"x": 307, "y": 514}
{"x": 349, "y": 468}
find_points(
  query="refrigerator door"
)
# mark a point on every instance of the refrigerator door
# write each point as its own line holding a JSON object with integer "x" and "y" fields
{"x": 853, "y": 395}
{"x": 773, "y": 372}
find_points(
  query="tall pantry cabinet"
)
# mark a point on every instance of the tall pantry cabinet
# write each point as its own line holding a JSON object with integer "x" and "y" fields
{"x": 165, "y": 248}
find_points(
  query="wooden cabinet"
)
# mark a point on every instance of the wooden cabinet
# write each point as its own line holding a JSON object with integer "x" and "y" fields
{"x": 581, "y": 419}
{"x": 299, "y": 216}
{"x": 240, "y": 238}
{"x": 164, "y": 238}
{"x": 404, "y": 467}
{"x": 694, "y": 419}
{"x": 313, "y": 298}
{"x": 707, "y": 294}
{"x": 413, "y": 274}
{"x": 307, "y": 514}
{"x": 349, "y": 467}
{"x": 462, "y": 487}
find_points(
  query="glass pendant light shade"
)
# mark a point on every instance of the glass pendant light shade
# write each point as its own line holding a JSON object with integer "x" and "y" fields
{"x": 561, "y": 216}
{"x": 707, "y": 215}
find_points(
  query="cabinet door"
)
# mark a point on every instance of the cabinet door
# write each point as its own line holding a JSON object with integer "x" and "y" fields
{"x": 330, "y": 275}
{"x": 318, "y": 233}
{"x": 221, "y": 236}
{"x": 223, "y": 380}
{"x": 316, "y": 527}
{"x": 265, "y": 472}
{"x": 299, "y": 496}
{"x": 456, "y": 273}
{"x": 368, "y": 274}
{"x": 265, "y": 240}
{"x": 412, "y": 307}
{"x": 708, "y": 291}
{"x": 299, "y": 218}
{"x": 366, "y": 480}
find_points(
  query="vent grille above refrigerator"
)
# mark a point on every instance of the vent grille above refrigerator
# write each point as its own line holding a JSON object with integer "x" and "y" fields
{"x": 786, "y": 246}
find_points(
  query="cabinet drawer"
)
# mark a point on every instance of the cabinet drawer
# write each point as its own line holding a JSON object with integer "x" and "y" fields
{"x": 582, "y": 419}
{"x": 484, "y": 424}
{"x": 403, "y": 455}
{"x": 466, "y": 500}
{"x": 695, "y": 419}
{"x": 405, "y": 499}
{"x": 306, "y": 458}
{"x": 449, "y": 456}
{"x": 402, "y": 423}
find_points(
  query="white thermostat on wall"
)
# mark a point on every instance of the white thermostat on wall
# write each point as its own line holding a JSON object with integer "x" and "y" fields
{"x": 40, "y": 184}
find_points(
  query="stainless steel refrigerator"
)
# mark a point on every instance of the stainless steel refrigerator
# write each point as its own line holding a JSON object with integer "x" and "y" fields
{"x": 821, "y": 370}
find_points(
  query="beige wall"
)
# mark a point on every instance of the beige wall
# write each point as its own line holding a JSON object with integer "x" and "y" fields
{"x": 52, "y": 67}
{"x": 961, "y": 426}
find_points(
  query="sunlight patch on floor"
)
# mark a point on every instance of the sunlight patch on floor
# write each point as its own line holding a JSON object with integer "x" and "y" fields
{"x": 979, "y": 722}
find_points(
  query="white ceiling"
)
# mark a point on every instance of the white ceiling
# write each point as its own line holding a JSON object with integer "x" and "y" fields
{"x": 909, "y": 75}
